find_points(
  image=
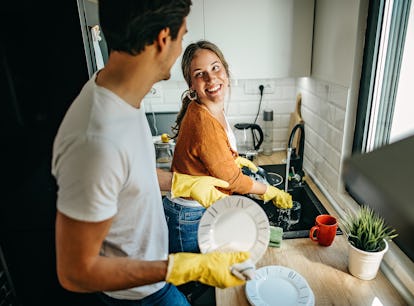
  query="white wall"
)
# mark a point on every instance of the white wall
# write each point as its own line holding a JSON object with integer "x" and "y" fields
{"x": 329, "y": 96}
{"x": 335, "y": 31}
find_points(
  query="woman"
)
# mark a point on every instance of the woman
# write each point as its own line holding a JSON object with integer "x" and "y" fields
{"x": 206, "y": 144}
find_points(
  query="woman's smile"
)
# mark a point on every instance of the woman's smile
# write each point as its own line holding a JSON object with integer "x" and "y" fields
{"x": 209, "y": 77}
{"x": 213, "y": 90}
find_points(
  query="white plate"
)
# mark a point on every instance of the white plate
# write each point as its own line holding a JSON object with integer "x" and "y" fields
{"x": 278, "y": 285}
{"x": 234, "y": 223}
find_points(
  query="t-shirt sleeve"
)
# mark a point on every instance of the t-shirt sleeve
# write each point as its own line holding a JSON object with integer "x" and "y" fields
{"x": 90, "y": 173}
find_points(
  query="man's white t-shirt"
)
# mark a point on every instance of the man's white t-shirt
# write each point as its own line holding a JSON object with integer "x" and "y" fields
{"x": 104, "y": 164}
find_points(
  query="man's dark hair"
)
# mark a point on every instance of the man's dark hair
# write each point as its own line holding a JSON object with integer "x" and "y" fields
{"x": 130, "y": 25}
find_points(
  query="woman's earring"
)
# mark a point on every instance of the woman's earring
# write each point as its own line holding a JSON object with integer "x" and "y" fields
{"x": 191, "y": 94}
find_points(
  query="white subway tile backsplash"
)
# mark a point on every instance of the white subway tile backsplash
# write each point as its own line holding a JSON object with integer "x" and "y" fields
{"x": 339, "y": 119}
{"x": 333, "y": 158}
{"x": 280, "y": 135}
{"x": 310, "y": 102}
{"x": 282, "y": 121}
{"x": 338, "y": 95}
{"x": 284, "y": 106}
{"x": 323, "y": 110}
{"x": 232, "y": 109}
{"x": 289, "y": 92}
{"x": 305, "y": 84}
{"x": 335, "y": 139}
{"x": 286, "y": 82}
{"x": 248, "y": 108}
{"x": 236, "y": 119}
{"x": 311, "y": 154}
{"x": 322, "y": 89}
{"x": 330, "y": 114}
{"x": 310, "y": 135}
{"x": 331, "y": 175}
{"x": 237, "y": 95}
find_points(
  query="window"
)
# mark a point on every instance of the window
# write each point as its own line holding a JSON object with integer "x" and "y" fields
{"x": 382, "y": 117}
{"x": 382, "y": 178}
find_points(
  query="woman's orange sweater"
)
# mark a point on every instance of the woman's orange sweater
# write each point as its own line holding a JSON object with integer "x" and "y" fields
{"x": 202, "y": 148}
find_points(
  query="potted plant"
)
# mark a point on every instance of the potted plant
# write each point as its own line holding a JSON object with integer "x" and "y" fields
{"x": 368, "y": 237}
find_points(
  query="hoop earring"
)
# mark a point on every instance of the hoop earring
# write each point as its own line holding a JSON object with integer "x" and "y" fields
{"x": 191, "y": 94}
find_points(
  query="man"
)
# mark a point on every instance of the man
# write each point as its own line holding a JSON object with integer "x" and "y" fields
{"x": 111, "y": 233}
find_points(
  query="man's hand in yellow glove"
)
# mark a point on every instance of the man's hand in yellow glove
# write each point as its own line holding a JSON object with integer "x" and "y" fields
{"x": 279, "y": 198}
{"x": 244, "y": 162}
{"x": 200, "y": 188}
{"x": 213, "y": 269}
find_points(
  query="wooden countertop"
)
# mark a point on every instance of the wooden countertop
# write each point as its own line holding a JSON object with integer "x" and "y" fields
{"x": 324, "y": 268}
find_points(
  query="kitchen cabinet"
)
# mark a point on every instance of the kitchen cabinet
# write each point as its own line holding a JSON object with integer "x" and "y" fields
{"x": 260, "y": 39}
{"x": 195, "y": 27}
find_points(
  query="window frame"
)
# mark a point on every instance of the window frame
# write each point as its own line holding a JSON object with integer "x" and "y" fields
{"x": 380, "y": 125}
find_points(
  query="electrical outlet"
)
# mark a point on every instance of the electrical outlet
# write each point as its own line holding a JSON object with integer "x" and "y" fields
{"x": 252, "y": 87}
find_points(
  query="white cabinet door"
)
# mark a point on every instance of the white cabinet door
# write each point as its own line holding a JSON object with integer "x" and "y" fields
{"x": 195, "y": 26}
{"x": 262, "y": 38}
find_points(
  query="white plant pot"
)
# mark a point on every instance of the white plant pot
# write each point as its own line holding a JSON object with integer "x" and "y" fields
{"x": 365, "y": 265}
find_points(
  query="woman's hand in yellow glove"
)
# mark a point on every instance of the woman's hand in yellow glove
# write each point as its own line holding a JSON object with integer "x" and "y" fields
{"x": 279, "y": 198}
{"x": 200, "y": 188}
{"x": 213, "y": 269}
{"x": 244, "y": 162}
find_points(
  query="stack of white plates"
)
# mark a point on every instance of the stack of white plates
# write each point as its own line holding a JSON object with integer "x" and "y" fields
{"x": 278, "y": 285}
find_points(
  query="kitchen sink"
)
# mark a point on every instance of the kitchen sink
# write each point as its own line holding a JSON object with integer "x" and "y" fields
{"x": 302, "y": 193}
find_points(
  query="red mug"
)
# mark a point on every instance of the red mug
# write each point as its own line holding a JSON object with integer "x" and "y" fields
{"x": 324, "y": 231}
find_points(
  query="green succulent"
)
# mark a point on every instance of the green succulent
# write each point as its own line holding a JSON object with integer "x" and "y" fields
{"x": 366, "y": 230}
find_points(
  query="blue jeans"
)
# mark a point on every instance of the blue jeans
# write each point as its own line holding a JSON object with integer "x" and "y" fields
{"x": 182, "y": 224}
{"x": 168, "y": 295}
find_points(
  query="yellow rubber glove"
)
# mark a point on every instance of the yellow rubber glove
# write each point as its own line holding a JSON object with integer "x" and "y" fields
{"x": 279, "y": 198}
{"x": 244, "y": 162}
{"x": 213, "y": 269}
{"x": 200, "y": 188}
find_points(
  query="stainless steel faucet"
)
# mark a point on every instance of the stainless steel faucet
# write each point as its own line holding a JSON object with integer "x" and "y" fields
{"x": 292, "y": 156}
{"x": 289, "y": 153}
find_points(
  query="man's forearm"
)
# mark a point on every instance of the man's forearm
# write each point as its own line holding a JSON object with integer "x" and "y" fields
{"x": 164, "y": 179}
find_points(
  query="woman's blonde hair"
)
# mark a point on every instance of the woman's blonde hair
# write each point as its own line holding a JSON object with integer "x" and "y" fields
{"x": 188, "y": 56}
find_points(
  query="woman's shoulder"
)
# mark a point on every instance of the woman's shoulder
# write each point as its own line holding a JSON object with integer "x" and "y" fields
{"x": 197, "y": 116}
